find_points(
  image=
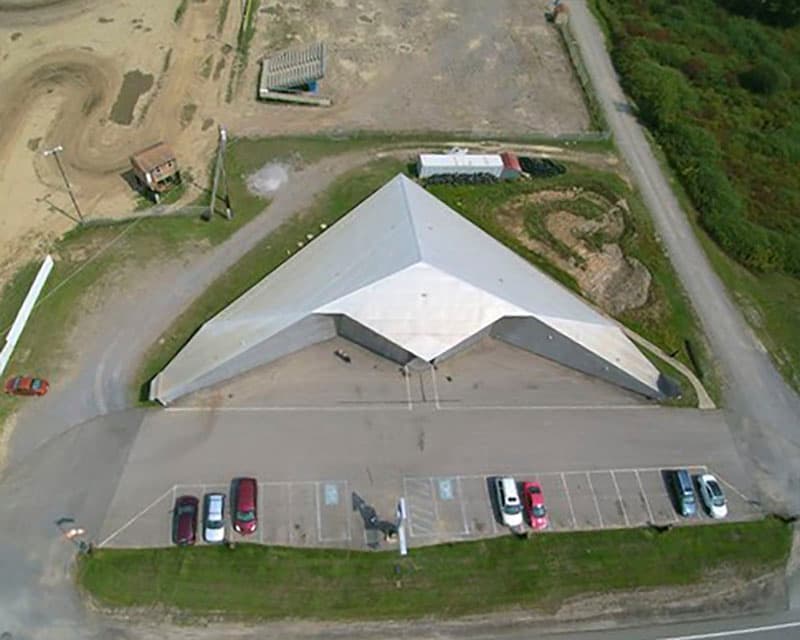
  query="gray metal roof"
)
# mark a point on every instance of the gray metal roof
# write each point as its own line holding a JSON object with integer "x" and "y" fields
{"x": 410, "y": 269}
{"x": 293, "y": 67}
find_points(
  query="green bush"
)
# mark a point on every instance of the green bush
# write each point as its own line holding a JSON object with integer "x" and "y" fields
{"x": 764, "y": 78}
{"x": 720, "y": 93}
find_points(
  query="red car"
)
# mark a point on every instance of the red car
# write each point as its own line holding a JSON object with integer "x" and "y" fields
{"x": 184, "y": 520}
{"x": 533, "y": 498}
{"x": 26, "y": 386}
{"x": 244, "y": 500}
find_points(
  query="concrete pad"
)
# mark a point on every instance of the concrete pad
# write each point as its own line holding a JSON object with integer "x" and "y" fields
{"x": 420, "y": 507}
{"x": 635, "y": 507}
{"x": 303, "y": 514}
{"x": 584, "y": 503}
{"x": 557, "y": 501}
{"x": 477, "y": 506}
{"x": 658, "y": 496}
{"x": 275, "y": 512}
{"x": 334, "y": 505}
{"x": 314, "y": 377}
{"x": 492, "y": 373}
{"x": 451, "y": 516}
{"x": 609, "y": 502}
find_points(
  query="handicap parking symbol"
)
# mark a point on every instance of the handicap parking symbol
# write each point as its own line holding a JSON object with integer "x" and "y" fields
{"x": 445, "y": 488}
{"x": 331, "y": 495}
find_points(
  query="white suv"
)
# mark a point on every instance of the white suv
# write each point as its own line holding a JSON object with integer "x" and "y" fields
{"x": 508, "y": 501}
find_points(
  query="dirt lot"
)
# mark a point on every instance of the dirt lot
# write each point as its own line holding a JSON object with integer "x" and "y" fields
{"x": 106, "y": 78}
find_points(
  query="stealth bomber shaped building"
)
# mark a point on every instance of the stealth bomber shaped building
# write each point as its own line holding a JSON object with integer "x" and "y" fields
{"x": 407, "y": 277}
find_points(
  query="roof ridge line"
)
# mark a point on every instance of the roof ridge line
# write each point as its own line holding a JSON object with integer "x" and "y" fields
{"x": 417, "y": 241}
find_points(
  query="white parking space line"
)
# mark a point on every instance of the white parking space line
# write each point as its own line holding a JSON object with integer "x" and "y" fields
{"x": 261, "y": 511}
{"x": 435, "y": 387}
{"x": 594, "y": 497}
{"x": 644, "y": 497}
{"x": 114, "y": 534}
{"x": 289, "y": 510}
{"x": 171, "y": 507}
{"x": 292, "y": 408}
{"x": 569, "y": 502}
{"x": 319, "y": 513}
{"x": 435, "y": 503}
{"x": 544, "y": 407}
{"x": 462, "y": 501}
{"x": 619, "y": 498}
{"x": 406, "y": 375}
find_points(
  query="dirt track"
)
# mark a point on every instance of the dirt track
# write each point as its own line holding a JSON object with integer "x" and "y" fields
{"x": 460, "y": 65}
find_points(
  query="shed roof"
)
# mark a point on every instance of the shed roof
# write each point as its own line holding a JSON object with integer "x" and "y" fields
{"x": 152, "y": 157}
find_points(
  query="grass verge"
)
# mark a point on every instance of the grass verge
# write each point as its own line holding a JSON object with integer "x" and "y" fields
{"x": 259, "y": 582}
{"x": 666, "y": 320}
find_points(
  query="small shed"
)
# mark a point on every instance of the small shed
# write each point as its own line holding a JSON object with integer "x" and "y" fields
{"x": 431, "y": 164}
{"x": 511, "y": 167}
{"x": 156, "y": 169}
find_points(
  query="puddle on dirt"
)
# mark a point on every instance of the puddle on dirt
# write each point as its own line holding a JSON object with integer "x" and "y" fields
{"x": 134, "y": 85}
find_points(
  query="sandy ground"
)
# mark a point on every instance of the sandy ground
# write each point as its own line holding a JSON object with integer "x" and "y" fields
{"x": 105, "y": 79}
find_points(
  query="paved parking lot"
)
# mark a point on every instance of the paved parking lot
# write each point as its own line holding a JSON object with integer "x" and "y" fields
{"x": 316, "y": 430}
{"x": 439, "y": 508}
{"x": 491, "y": 374}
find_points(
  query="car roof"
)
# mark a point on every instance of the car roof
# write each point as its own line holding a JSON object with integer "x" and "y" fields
{"x": 246, "y": 491}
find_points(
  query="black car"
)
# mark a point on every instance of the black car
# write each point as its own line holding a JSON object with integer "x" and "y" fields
{"x": 184, "y": 520}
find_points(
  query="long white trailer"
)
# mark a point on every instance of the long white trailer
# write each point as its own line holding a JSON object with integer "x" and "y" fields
{"x": 431, "y": 164}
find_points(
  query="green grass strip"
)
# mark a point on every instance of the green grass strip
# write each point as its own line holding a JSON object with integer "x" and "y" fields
{"x": 260, "y": 582}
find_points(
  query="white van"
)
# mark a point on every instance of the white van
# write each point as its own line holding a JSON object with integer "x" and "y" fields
{"x": 508, "y": 501}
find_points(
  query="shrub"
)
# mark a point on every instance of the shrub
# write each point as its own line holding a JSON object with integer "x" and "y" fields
{"x": 764, "y": 78}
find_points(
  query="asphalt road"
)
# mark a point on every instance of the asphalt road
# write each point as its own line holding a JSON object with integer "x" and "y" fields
{"x": 763, "y": 413}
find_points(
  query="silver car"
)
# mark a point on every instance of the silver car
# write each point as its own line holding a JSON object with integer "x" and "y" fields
{"x": 214, "y": 518}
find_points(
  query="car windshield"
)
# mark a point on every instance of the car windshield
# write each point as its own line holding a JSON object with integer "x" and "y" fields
{"x": 187, "y": 508}
{"x": 214, "y": 524}
{"x": 538, "y": 510}
{"x": 245, "y": 516}
{"x": 512, "y": 509}
{"x": 36, "y": 384}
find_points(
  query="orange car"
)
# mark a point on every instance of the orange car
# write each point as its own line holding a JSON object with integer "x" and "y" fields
{"x": 26, "y": 386}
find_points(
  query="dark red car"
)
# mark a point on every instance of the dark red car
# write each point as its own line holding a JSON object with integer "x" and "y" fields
{"x": 26, "y": 386}
{"x": 533, "y": 499}
{"x": 184, "y": 520}
{"x": 243, "y": 502}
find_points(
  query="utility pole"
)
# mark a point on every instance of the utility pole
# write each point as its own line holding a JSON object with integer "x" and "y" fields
{"x": 219, "y": 168}
{"x": 54, "y": 152}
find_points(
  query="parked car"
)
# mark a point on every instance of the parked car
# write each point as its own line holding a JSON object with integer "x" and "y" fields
{"x": 508, "y": 501}
{"x": 214, "y": 517}
{"x": 534, "y": 505}
{"x": 26, "y": 386}
{"x": 243, "y": 507}
{"x": 684, "y": 492}
{"x": 184, "y": 520}
{"x": 713, "y": 496}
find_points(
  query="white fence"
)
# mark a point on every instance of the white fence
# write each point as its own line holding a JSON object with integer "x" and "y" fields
{"x": 24, "y": 312}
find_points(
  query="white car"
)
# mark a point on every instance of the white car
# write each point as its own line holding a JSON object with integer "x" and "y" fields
{"x": 508, "y": 502}
{"x": 214, "y": 517}
{"x": 713, "y": 496}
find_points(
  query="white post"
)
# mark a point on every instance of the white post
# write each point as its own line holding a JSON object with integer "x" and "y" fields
{"x": 401, "y": 526}
{"x": 24, "y": 312}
